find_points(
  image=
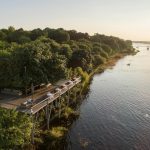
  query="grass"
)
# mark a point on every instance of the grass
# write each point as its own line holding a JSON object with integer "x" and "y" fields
{"x": 69, "y": 112}
{"x": 55, "y": 133}
{"x": 58, "y": 132}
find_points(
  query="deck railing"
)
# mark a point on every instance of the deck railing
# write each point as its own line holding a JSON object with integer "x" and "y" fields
{"x": 56, "y": 95}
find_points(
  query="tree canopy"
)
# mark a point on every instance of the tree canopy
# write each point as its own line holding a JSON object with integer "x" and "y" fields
{"x": 15, "y": 129}
{"x": 42, "y": 56}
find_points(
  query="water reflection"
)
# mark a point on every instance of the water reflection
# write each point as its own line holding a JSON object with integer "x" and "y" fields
{"x": 116, "y": 114}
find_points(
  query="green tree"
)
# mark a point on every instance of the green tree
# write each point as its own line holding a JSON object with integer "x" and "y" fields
{"x": 36, "y": 33}
{"x": 32, "y": 56}
{"x": 19, "y": 36}
{"x": 56, "y": 67}
{"x": 15, "y": 129}
{"x": 2, "y": 35}
{"x": 59, "y": 35}
{"x": 66, "y": 50}
{"x": 107, "y": 49}
{"x": 5, "y": 67}
{"x": 81, "y": 58}
{"x": 98, "y": 60}
{"x": 11, "y": 29}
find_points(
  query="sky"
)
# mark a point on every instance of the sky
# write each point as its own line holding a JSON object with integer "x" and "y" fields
{"x": 128, "y": 19}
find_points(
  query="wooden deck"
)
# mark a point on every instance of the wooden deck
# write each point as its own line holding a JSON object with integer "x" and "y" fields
{"x": 47, "y": 100}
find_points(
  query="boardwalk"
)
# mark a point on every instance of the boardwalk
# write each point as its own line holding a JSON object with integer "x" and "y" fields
{"x": 44, "y": 100}
{"x": 37, "y": 107}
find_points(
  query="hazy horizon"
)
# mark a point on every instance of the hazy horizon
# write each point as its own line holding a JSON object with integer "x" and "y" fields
{"x": 124, "y": 19}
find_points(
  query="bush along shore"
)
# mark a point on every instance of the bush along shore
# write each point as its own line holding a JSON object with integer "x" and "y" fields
{"x": 55, "y": 137}
{"x": 46, "y": 56}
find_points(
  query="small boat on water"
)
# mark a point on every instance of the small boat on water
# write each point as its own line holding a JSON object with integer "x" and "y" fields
{"x": 128, "y": 64}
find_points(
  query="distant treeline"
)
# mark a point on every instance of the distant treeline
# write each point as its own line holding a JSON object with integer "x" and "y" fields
{"x": 42, "y": 56}
{"x": 143, "y": 42}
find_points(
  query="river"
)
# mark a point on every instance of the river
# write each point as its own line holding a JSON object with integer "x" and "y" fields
{"x": 116, "y": 113}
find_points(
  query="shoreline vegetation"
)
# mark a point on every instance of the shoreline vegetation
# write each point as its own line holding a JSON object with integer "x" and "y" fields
{"x": 46, "y": 56}
{"x": 109, "y": 64}
{"x": 143, "y": 42}
{"x": 57, "y": 133}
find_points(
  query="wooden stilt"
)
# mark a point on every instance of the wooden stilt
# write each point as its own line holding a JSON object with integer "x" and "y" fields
{"x": 68, "y": 97}
{"x": 49, "y": 116}
{"x": 36, "y": 116}
{"x": 52, "y": 105}
{"x": 75, "y": 95}
{"x": 46, "y": 111}
{"x": 59, "y": 106}
{"x": 33, "y": 129}
{"x": 56, "y": 103}
{"x": 43, "y": 110}
{"x": 80, "y": 92}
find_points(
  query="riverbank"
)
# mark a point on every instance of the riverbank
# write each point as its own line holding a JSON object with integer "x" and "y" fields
{"x": 110, "y": 63}
{"x": 116, "y": 111}
{"x": 65, "y": 123}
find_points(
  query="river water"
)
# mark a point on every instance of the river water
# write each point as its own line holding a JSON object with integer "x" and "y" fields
{"x": 116, "y": 113}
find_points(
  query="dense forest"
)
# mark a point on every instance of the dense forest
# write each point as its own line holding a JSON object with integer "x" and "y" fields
{"x": 43, "y": 56}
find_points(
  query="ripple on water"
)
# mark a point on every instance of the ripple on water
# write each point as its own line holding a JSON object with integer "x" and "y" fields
{"x": 116, "y": 114}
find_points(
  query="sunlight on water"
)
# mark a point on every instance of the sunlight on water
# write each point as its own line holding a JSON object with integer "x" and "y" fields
{"x": 116, "y": 114}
